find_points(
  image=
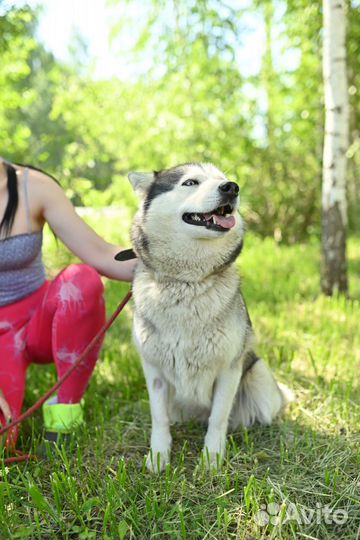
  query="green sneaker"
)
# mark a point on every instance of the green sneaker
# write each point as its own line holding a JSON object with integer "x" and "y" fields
{"x": 60, "y": 420}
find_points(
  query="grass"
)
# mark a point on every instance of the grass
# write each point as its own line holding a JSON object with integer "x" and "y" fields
{"x": 307, "y": 461}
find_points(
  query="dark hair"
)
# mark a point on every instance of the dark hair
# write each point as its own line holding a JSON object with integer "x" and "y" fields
{"x": 13, "y": 200}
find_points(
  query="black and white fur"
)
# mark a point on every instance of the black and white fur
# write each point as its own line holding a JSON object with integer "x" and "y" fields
{"x": 191, "y": 324}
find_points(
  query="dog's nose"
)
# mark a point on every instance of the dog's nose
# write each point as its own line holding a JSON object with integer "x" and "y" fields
{"x": 229, "y": 188}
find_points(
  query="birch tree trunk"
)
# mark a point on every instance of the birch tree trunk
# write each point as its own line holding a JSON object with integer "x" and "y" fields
{"x": 334, "y": 207}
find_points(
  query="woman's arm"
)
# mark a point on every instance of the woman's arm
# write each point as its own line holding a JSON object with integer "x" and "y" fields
{"x": 60, "y": 214}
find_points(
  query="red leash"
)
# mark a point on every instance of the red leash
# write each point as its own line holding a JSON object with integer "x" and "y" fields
{"x": 39, "y": 403}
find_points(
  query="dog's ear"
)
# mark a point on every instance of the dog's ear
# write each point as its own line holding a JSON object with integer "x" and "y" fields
{"x": 141, "y": 181}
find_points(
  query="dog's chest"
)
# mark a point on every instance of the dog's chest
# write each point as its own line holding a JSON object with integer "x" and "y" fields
{"x": 191, "y": 332}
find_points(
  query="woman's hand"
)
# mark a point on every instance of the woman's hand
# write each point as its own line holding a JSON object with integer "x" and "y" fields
{"x": 60, "y": 214}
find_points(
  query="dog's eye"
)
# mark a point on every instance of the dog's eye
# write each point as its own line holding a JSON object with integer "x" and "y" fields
{"x": 190, "y": 182}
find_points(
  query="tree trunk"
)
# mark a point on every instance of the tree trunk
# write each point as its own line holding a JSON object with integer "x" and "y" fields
{"x": 334, "y": 208}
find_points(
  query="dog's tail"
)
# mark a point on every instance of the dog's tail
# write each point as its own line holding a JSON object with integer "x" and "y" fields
{"x": 259, "y": 397}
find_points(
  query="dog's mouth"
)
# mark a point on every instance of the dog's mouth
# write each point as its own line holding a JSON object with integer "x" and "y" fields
{"x": 220, "y": 219}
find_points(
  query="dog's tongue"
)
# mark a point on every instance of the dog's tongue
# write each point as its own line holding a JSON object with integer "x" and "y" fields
{"x": 226, "y": 222}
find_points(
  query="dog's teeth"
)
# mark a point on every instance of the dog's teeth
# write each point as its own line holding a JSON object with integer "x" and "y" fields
{"x": 196, "y": 217}
{"x": 213, "y": 220}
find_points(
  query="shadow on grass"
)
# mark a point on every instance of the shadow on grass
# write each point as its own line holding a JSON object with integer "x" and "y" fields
{"x": 286, "y": 464}
{"x": 301, "y": 462}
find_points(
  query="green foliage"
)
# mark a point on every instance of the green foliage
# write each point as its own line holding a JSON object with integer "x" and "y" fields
{"x": 353, "y": 40}
{"x": 195, "y": 102}
{"x": 16, "y": 42}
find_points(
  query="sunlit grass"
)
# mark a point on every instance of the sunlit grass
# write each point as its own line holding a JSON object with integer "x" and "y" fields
{"x": 310, "y": 457}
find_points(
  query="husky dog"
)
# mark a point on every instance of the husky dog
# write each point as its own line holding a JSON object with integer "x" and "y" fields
{"x": 191, "y": 324}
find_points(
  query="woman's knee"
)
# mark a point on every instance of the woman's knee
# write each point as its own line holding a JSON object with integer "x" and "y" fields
{"x": 86, "y": 279}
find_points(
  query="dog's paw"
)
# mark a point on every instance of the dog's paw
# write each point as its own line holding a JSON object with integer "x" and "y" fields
{"x": 211, "y": 460}
{"x": 214, "y": 449}
{"x": 156, "y": 461}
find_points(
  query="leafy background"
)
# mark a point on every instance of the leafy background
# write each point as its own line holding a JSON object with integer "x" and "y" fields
{"x": 194, "y": 100}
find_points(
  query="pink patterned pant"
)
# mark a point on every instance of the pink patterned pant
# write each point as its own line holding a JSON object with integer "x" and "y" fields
{"x": 54, "y": 324}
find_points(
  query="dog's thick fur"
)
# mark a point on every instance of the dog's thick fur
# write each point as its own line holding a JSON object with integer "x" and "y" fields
{"x": 191, "y": 324}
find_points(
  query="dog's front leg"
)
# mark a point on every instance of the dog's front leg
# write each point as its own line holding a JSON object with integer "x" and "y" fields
{"x": 159, "y": 454}
{"x": 224, "y": 393}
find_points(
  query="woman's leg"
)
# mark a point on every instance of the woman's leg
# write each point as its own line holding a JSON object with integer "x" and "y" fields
{"x": 13, "y": 357}
{"x": 70, "y": 315}
{"x": 13, "y": 367}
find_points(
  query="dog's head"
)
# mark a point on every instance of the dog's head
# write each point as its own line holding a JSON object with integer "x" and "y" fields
{"x": 188, "y": 225}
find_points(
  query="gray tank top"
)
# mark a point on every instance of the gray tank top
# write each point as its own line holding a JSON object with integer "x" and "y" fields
{"x": 21, "y": 268}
